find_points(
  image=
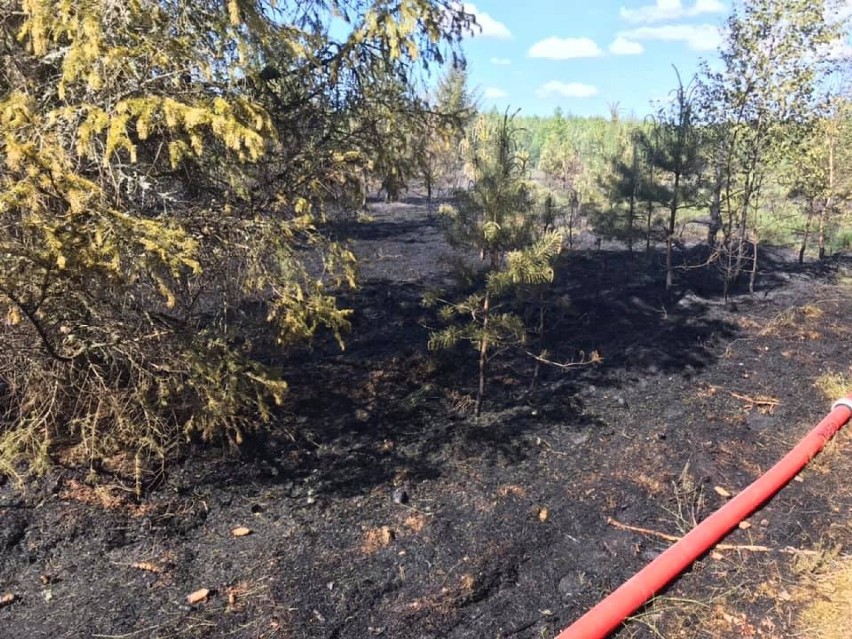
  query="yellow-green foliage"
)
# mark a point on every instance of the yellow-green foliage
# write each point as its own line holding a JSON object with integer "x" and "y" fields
{"x": 496, "y": 217}
{"x": 154, "y": 194}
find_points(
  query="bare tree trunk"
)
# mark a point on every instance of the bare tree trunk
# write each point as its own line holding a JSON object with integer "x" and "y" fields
{"x": 483, "y": 354}
{"x": 753, "y": 274}
{"x": 671, "y": 230}
{"x": 540, "y": 340}
{"x": 741, "y": 240}
{"x": 826, "y": 210}
{"x": 748, "y": 192}
{"x": 728, "y": 254}
{"x": 648, "y": 229}
{"x": 650, "y": 216}
{"x": 631, "y": 214}
{"x": 715, "y": 211}
{"x": 807, "y": 233}
{"x": 571, "y": 221}
{"x": 669, "y": 267}
{"x": 365, "y": 187}
{"x": 726, "y": 287}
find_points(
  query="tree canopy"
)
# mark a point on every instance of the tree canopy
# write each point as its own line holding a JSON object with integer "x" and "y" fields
{"x": 164, "y": 167}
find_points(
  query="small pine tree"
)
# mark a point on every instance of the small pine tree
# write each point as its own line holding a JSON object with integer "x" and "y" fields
{"x": 496, "y": 217}
{"x": 678, "y": 161}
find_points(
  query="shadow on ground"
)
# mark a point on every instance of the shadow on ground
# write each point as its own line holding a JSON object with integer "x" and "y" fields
{"x": 379, "y": 508}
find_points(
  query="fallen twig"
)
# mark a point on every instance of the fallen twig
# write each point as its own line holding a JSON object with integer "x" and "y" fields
{"x": 761, "y": 401}
{"x": 594, "y": 358}
{"x": 745, "y": 547}
{"x": 546, "y": 445}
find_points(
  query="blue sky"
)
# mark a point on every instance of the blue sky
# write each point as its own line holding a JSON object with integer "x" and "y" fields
{"x": 582, "y": 56}
{"x": 537, "y": 55}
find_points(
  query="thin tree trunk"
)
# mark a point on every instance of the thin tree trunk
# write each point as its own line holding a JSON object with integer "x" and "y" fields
{"x": 829, "y": 202}
{"x": 571, "y": 222}
{"x": 630, "y": 215}
{"x": 741, "y": 240}
{"x": 715, "y": 211}
{"x": 753, "y": 274}
{"x": 743, "y": 222}
{"x": 826, "y": 210}
{"x": 669, "y": 267}
{"x": 728, "y": 257}
{"x": 365, "y": 187}
{"x": 671, "y": 231}
{"x": 648, "y": 229}
{"x": 807, "y": 233}
{"x": 726, "y": 287}
{"x": 540, "y": 339}
{"x": 483, "y": 354}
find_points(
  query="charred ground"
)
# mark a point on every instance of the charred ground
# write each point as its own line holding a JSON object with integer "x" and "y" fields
{"x": 379, "y": 507}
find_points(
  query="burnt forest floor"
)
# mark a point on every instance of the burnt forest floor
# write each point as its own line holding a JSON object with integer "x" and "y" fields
{"x": 378, "y": 507}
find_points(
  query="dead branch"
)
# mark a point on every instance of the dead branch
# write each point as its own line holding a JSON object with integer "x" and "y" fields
{"x": 761, "y": 401}
{"x": 594, "y": 358}
{"x": 744, "y": 547}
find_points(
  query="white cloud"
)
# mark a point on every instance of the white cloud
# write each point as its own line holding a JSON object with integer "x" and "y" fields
{"x": 501, "y": 62}
{"x": 565, "y": 48}
{"x": 494, "y": 93}
{"x": 490, "y": 28}
{"x": 567, "y": 90}
{"x": 623, "y": 46}
{"x": 699, "y": 37}
{"x": 671, "y": 10}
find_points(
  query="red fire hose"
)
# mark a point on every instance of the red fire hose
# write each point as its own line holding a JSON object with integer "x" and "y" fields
{"x": 601, "y": 620}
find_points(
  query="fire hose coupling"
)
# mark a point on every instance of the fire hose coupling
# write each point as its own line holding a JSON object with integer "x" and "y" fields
{"x": 846, "y": 401}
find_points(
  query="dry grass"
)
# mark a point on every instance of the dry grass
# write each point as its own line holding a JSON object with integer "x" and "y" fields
{"x": 416, "y": 522}
{"x": 375, "y": 539}
{"x": 809, "y": 310}
{"x": 107, "y": 497}
{"x": 834, "y": 385}
{"x": 828, "y": 614}
{"x": 511, "y": 489}
{"x": 793, "y": 319}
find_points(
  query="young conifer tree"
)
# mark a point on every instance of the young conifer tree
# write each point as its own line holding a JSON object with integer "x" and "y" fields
{"x": 496, "y": 217}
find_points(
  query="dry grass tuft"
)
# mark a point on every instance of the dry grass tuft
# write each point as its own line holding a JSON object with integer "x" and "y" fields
{"x": 416, "y": 522}
{"x": 809, "y": 310}
{"x": 376, "y": 538}
{"x": 791, "y": 319}
{"x": 834, "y": 385}
{"x": 511, "y": 489}
{"x": 103, "y": 496}
{"x": 829, "y": 613}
